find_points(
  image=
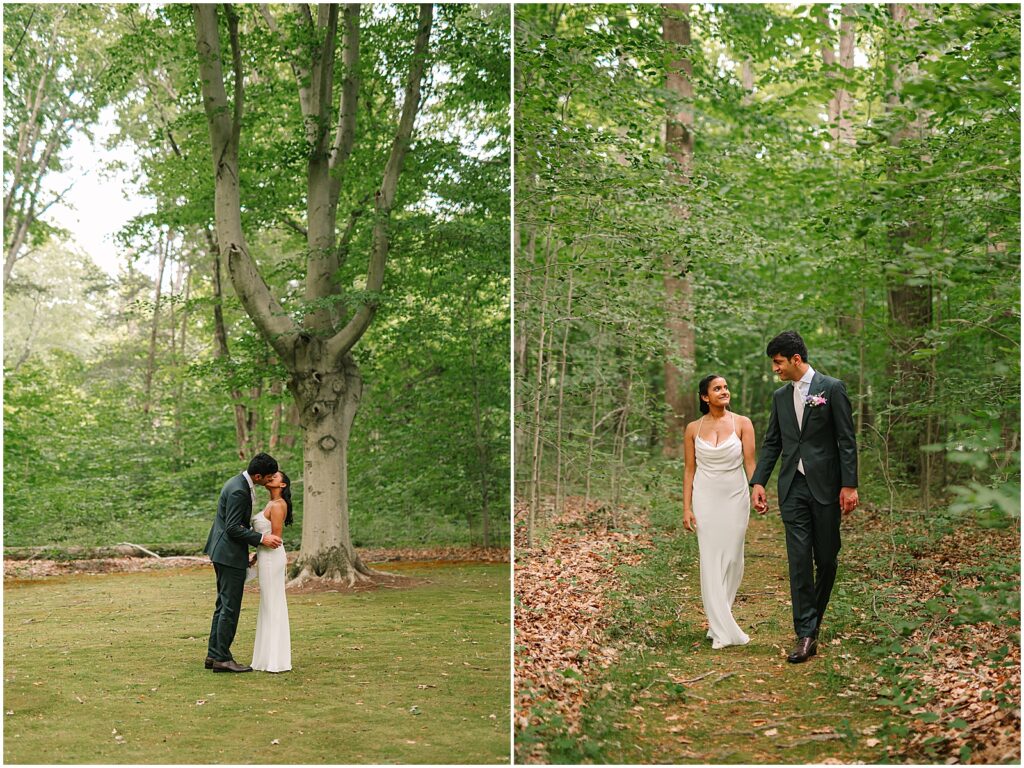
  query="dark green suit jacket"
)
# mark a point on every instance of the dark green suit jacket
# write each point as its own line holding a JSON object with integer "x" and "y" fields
{"x": 826, "y": 441}
{"x": 232, "y": 533}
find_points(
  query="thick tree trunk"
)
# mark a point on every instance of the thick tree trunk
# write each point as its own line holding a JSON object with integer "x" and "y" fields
{"x": 910, "y": 301}
{"x": 328, "y": 402}
{"x": 680, "y": 362}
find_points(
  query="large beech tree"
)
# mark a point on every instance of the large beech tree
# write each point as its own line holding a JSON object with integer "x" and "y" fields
{"x": 315, "y": 348}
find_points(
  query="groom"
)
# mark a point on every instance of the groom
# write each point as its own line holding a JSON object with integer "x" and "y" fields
{"x": 812, "y": 427}
{"x": 228, "y": 548}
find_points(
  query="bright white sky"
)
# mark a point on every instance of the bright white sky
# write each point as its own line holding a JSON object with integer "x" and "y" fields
{"x": 101, "y": 201}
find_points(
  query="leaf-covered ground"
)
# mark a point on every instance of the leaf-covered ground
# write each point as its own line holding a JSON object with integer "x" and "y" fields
{"x": 919, "y": 660}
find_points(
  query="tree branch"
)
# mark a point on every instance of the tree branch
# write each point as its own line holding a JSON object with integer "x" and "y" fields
{"x": 260, "y": 304}
{"x": 347, "y": 337}
{"x": 344, "y": 139}
{"x": 236, "y": 61}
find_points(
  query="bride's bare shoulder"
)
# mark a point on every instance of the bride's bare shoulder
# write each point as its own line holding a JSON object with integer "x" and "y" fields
{"x": 744, "y": 422}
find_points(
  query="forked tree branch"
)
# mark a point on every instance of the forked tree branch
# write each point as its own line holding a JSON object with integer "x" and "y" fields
{"x": 343, "y": 341}
{"x": 266, "y": 313}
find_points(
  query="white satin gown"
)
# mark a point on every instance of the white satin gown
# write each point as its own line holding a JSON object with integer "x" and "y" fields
{"x": 721, "y": 504}
{"x": 272, "y": 651}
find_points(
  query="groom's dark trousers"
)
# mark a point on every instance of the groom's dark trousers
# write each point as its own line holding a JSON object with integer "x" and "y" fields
{"x": 228, "y": 547}
{"x": 812, "y": 544}
{"x": 825, "y": 441}
{"x": 230, "y": 584}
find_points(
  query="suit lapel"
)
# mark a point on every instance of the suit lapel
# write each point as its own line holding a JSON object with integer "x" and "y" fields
{"x": 815, "y": 381}
{"x": 788, "y": 407}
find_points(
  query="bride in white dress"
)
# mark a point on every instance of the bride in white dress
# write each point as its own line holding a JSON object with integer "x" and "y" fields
{"x": 719, "y": 452}
{"x": 272, "y": 651}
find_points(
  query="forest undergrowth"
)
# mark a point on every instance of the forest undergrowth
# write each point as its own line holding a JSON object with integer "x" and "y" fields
{"x": 919, "y": 658}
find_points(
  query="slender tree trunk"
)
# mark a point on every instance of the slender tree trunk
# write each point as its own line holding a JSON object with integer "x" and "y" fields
{"x": 590, "y": 444}
{"x": 163, "y": 246}
{"x": 179, "y": 398}
{"x": 538, "y": 391}
{"x": 275, "y": 420}
{"x": 844, "y": 99}
{"x": 521, "y": 348}
{"x": 220, "y": 337}
{"x": 680, "y": 360}
{"x": 559, "y": 491}
{"x": 482, "y": 454}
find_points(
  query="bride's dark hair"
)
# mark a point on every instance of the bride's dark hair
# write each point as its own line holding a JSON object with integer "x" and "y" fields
{"x": 286, "y": 494}
{"x": 702, "y": 388}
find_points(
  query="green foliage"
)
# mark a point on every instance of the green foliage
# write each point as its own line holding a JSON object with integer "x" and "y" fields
{"x": 100, "y": 459}
{"x": 778, "y": 226}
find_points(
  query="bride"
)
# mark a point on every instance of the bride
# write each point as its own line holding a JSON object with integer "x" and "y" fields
{"x": 719, "y": 452}
{"x": 273, "y": 648}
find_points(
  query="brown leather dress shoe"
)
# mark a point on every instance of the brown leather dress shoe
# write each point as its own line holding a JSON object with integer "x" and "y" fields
{"x": 229, "y": 666}
{"x": 805, "y": 648}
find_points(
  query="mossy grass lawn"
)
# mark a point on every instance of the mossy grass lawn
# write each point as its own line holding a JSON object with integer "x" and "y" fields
{"x": 109, "y": 669}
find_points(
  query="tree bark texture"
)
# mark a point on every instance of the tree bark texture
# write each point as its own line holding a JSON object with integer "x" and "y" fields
{"x": 680, "y": 399}
{"x": 910, "y": 301}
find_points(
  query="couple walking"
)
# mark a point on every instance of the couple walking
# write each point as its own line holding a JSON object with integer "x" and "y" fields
{"x": 811, "y": 428}
{"x": 234, "y": 530}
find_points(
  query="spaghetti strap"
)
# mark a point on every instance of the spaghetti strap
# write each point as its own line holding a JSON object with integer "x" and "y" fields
{"x": 699, "y": 423}
{"x": 734, "y": 424}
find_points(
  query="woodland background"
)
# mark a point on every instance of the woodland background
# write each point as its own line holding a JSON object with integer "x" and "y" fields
{"x": 851, "y": 172}
{"x": 128, "y": 400}
{"x": 690, "y": 181}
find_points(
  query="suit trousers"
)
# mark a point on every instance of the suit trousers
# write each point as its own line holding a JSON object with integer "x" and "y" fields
{"x": 230, "y": 584}
{"x": 812, "y": 546}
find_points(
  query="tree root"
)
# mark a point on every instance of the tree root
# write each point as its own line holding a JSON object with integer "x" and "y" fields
{"x": 333, "y": 565}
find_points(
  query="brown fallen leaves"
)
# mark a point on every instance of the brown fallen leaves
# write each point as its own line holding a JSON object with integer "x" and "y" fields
{"x": 971, "y": 676}
{"x": 561, "y": 587}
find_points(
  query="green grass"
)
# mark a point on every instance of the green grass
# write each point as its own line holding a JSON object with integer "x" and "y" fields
{"x": 89, "y": 655}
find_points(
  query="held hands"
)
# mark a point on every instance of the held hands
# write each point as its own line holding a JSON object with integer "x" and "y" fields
{"x": 848, "y": 500}
{"x": 271, "y": 541}
{"x": 759, "y": 499}
{"x": 689, "y": 521}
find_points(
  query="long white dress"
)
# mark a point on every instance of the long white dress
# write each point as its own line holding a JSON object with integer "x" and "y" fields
{"x": 272, "y": 651}
{"x": 721, "y": 504}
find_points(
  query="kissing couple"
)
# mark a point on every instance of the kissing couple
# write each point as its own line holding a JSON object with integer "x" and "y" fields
{"x": 234, "y": 530}
{"x": 811, "y": 428}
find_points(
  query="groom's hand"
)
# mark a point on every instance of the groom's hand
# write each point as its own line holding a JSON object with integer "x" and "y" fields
{"x": 759, "y": 499}
{"x": 271, "y": 541}
{"x": 848, "y": 500}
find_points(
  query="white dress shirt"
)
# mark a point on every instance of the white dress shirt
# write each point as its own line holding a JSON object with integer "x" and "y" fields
{"x": 800, "y": 389}
{"x": 252, "y": 487}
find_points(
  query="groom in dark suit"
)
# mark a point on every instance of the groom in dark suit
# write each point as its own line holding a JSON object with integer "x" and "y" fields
{"x": 811, "y": 426}
{"x": 228, "y": 548}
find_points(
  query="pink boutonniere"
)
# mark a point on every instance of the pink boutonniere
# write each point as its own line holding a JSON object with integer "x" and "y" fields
{"x": 813, "y": 401}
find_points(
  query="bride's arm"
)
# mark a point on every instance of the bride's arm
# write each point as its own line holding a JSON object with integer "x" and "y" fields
{"x": 277, "y": 515}
{"x": 689, "y": 458}
{"x": 749, "y": 448}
